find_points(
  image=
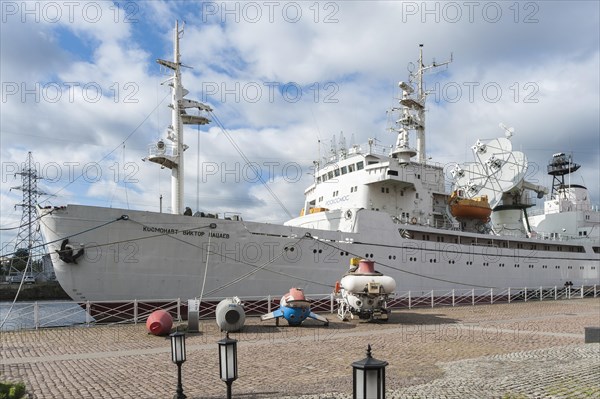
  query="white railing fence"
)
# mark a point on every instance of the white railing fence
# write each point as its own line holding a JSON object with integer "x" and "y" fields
{"x": 35, "y": 315}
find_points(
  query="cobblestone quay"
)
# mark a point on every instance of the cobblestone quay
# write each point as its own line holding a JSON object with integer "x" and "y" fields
{"x": 509, "y": 351}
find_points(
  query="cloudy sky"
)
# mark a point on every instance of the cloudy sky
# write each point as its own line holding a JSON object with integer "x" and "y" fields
{"x": 81, "y": 90}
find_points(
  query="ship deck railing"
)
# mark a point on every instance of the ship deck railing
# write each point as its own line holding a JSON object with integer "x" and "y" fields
{"x": 45, "y": 314}
{"x": 573, "y": 207}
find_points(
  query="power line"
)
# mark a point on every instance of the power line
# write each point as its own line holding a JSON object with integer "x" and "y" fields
{"x": 251, "y": 165}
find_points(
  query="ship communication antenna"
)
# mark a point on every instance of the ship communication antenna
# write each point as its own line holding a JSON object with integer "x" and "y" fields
{"x": 171, "y": 155}
{"x": 497, "y": 169}
{"x": 508, "y": 131}
{"x": 559, "y": 166}
{"x": 412, "y": 112}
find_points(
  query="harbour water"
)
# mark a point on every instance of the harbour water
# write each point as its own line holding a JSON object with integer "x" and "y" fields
{"x": 25, "y": 315}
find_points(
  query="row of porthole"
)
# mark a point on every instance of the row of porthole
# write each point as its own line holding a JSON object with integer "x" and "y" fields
{"x": 291, "y": 249}
{"x": 451, "y": 262}
{"x": 344, "y": 253}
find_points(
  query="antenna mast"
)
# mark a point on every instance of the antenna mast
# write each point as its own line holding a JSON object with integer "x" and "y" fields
{"x": 171, "y": 155}
{"x": 412, "y": 112}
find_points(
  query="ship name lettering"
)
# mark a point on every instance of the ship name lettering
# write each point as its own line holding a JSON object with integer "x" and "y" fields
{"x": 219, "y": 235}
{"x": 337, "y": 200}
{"x": 193, "y": 233}
{"x": 160, "y": 230}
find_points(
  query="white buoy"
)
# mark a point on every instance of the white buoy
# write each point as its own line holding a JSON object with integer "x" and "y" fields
{"x": 230, "y": 314}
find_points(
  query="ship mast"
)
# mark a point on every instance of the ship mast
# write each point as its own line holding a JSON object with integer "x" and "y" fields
{"x": 412, "y": 113}
{"x": 171, "y": 155}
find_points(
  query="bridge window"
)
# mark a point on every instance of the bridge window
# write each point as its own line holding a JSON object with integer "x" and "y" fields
{"x": 336, "y": 172}
{"x": 351, "y": 168}
{"x": 360, "y": 165}
{"x": 344, "y": 170}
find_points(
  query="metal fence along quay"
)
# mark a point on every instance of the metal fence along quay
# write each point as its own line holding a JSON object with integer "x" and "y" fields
{"x": 44, "y": 314}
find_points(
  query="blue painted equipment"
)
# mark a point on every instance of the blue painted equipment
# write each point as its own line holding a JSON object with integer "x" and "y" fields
{"x": 295, "y": 308}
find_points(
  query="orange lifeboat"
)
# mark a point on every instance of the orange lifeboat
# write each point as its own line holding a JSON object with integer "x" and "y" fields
{"x": 474, "y": 208}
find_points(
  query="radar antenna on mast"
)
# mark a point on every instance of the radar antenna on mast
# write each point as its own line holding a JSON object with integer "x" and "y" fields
{"x": 171, "y": 155}
{"x": 412, "y": 112}
{"x": 559, "y": 166}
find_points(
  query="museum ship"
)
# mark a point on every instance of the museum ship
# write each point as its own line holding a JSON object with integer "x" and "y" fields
{"x": 388, "y": 205}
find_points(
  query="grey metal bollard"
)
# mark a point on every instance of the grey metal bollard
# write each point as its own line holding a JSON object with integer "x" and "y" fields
{"x": 592, "y": 335}
{"x": 193, "y": 315}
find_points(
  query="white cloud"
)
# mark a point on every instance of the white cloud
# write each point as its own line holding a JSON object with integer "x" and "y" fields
{"x": 362, "y": 56}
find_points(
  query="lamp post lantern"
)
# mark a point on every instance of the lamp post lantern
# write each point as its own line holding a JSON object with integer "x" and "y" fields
{"x": 368, "y": 376}
{"x": 228, "y": 361}
{"x": 178, "y": 357}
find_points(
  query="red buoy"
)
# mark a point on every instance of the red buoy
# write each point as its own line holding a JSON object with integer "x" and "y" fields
{"x": 159, "y": 322}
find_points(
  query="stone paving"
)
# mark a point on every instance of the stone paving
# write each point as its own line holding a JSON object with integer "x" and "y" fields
{"x": 506, "y": 351}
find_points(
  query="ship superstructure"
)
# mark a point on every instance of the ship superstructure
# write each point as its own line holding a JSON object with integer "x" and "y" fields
{"x": 386, "y": 205}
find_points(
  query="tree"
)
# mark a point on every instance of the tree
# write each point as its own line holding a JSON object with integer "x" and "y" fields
{"x": 20, "y": 259}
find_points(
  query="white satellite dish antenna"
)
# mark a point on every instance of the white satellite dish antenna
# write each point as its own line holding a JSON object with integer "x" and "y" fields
{"x": 497, "y": 169}
{"x": 508, "y": 131}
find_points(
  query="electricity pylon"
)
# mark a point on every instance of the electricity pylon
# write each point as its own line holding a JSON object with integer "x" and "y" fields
{"x": 29, "y": 237}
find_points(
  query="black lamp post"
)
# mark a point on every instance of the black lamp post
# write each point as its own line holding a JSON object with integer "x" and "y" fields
{"x": 228, "y": 361}
{"x": 368, "y": 376}
{"x": 178, "y": 357}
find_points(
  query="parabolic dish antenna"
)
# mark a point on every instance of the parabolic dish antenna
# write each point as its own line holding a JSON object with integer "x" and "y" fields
{"x": 497, "y": 169}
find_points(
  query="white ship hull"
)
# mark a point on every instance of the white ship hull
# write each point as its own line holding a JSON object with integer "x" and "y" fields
{"x": 164, "y": 256}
